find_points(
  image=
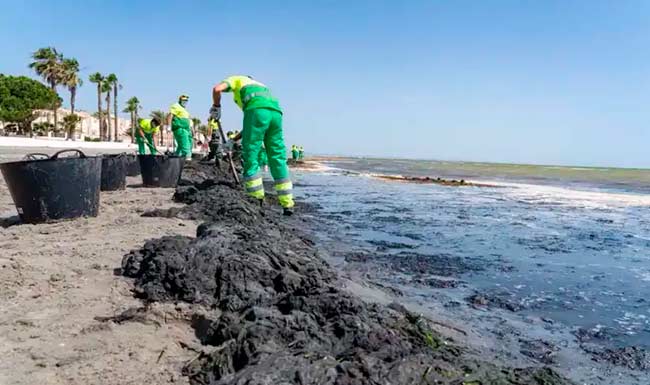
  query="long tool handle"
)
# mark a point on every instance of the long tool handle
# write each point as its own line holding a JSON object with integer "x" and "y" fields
{"x": 229, "y": 153}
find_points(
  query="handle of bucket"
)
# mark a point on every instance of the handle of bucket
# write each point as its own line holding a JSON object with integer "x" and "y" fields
{"x": 81, "y": 154}
{"x": 36, "y": 156}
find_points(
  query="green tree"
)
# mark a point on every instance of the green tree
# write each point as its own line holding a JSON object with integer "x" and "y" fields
{"x": 162, "y": 116}
{"x": 20, "y": 97}
{"x": 98, "y": 79}
{"x": 70, "y": 123}
{"x": 112, "y": 81}
{"x": 72, "y": 81}
{"x": 48, "y": 64}
{"x": 132, "y": 108}
{"x": 43, "y": 128}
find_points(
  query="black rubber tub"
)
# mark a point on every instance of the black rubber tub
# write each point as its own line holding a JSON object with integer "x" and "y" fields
{"x": 132, "y": 165}
{"x": 161, "y": 170}
{"x": 45, "y": 189}
{"x": 114, "y": 167}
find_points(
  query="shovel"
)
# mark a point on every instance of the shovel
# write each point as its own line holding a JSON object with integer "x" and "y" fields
{"x": 228, "y": 153}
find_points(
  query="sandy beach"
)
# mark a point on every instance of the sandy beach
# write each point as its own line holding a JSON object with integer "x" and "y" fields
{"x": 57, "y": 282}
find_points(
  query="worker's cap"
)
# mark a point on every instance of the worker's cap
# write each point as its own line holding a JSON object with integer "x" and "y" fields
{"x": 184, "y": 97}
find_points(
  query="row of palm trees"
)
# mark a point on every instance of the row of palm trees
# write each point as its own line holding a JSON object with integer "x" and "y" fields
{"x": 58, "y": 70}
{"x": 106, "y": 85}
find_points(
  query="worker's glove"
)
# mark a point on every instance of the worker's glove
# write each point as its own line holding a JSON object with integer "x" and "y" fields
{"x": 215, "y": 112}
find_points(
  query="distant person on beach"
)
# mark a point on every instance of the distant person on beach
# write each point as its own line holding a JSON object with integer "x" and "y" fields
{"x": 179, "y": 120}
{"x": 147, "y": 128}
{"x": 294, "y": 152}
{"x": 301, "y": 152}
{"x": 262, "y": 127}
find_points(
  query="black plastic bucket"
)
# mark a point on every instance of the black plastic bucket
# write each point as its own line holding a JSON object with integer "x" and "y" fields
{"x": 45, "y": 189}
{"x": 132, "y": 165}
{"x": 161, "y": 170}
{"x": 113, "y": 172}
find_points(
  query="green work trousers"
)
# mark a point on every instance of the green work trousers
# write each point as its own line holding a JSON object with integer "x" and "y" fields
{"x": 149, "y": 141}
{"x": 183, "y": 139}
{"x": 262, "y": 159}
{"x": 263, "y": 126}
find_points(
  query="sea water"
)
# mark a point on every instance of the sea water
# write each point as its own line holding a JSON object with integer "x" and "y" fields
{"x": 569, "y": 245}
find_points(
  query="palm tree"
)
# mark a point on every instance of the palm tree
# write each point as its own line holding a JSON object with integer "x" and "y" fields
{"x": 196, "y": 122}
{"x": 113, "y": 82}
{"x": 132, "y": 107}
{"x": 72, "y": 81}
{"x": 107, "y": 88}
{"x": 162, "y": 116}
{"x": 48, "y": 65}
{"x": 99, "y": 79}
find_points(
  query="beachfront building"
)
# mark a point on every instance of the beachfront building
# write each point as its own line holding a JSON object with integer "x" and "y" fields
{"x": 88, "y": 126}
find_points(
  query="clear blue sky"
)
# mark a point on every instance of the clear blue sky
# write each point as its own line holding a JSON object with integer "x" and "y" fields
{"x": 553, "y": 82}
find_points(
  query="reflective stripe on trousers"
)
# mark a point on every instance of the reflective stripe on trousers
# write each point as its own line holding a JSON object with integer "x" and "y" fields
{"x": 284, "y": 189}
{"x": 254, "y": 186}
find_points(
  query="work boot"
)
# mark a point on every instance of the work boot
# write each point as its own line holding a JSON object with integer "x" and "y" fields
{"x": 287, "y": 211}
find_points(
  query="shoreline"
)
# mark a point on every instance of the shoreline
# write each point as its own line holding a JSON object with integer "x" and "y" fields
{"x": 270, "y": 276}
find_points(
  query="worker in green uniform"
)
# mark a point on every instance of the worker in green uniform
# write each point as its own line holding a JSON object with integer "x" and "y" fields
{"x": 179, "y": 120}
{"x": 301, "y": 152}
{"x": 147, "y": 128}
{"x": 262, "y": 126}
{"x": 294, "y": 152}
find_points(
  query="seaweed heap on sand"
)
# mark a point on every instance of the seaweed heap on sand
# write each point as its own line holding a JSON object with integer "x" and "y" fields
{"x": 277, "y": 312}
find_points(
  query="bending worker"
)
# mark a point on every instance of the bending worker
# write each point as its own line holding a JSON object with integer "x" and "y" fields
{"x": 146, "y": 130}
{"x": 262, "y": 127}
{"x": 179, "y": 120}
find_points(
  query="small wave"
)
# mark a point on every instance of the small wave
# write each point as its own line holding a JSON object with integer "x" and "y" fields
{"x": 563, "y": 195}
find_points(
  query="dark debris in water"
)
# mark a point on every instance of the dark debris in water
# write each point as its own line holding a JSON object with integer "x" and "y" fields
{"x": 539, "y": 350}
{"x": 496, "y": 298}
{"x": 631, "y": 357}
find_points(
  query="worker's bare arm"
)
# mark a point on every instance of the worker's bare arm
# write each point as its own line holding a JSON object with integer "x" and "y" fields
{"x": 216, "y": 93}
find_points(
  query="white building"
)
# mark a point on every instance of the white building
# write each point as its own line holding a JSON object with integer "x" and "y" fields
{"x": 88, "y": 126}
